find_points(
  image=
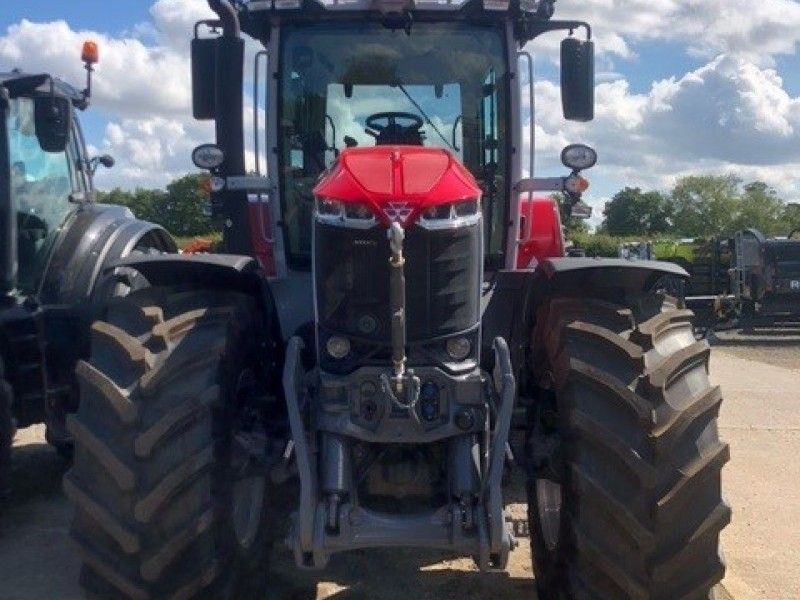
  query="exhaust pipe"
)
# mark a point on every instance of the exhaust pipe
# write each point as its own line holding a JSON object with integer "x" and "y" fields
{"x": 229, "y": 17}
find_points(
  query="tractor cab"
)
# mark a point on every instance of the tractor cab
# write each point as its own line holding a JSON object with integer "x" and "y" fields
{"x": 358, "y": 74}
{"x": 44, "y": 159}
{"x": 431, "y": 84}
{"x": 46, "y": 167}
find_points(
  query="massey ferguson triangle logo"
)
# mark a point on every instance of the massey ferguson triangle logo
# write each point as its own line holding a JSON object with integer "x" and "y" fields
{"x": 398, "y": 211}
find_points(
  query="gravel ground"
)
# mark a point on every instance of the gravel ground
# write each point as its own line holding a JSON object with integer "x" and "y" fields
{"x": 762, "y": 545}
{"x": 776, "y": 345}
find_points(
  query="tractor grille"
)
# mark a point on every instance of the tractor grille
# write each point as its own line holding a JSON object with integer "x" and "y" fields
{"x": 443, "y": 272}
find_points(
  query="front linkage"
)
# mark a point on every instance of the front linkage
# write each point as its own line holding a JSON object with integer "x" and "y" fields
{"x": 374, "y": 406}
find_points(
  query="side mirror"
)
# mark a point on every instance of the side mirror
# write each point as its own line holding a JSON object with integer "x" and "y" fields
{"x": 204, "y": 51}
{"x": 106, "y": 160}
{"x": 53, "y": 116}
{"x": 577, "y": 79}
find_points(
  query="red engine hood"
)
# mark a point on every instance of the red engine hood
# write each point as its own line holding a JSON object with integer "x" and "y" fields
{"x": 398, "y": 182}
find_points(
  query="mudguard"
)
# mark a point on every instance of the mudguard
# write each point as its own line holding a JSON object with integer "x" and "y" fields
{"x": 509, "y": 309}
{"x": 226, "y": 272}
{"x": 200, "y": 271}
{"x": 94, "y": 237}
{"x": 604, "y": 275}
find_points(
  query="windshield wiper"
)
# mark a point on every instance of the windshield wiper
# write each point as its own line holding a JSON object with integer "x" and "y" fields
{"x": 425, "y": 116}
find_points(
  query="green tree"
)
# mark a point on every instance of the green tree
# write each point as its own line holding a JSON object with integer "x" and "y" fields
{"x": 181, "y": 209}
{"x": 143, "y": 203}
{"x": 761, "y": 208}
{"x": 634, "y": 212}
{"x": 705, "y": 205}
{"x": 791, "y": 216}
{"x": 185, "y": 206}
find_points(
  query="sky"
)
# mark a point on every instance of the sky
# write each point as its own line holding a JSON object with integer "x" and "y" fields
{"x": 684, "y": 87}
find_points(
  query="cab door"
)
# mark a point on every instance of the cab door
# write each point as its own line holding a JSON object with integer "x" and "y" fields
{"x": 43, "y": 185}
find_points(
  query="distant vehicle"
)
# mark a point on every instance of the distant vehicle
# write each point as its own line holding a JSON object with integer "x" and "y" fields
{"x": 765, "y": 277}
{"x": 636, "y": 251}
{"x": 57, "y": 247}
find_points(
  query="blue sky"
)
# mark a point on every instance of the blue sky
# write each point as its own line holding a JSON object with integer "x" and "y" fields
{"x": 681, "y": 89}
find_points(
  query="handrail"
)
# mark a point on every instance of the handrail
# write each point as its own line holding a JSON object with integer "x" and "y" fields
{"x": 525, "y": 236}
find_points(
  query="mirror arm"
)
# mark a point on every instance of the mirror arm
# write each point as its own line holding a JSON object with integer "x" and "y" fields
{"x": 541, "y": 184}
{"x": 529, "y": 29}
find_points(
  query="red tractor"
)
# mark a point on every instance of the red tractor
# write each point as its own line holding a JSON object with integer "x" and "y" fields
{"x": 395, "y": 329}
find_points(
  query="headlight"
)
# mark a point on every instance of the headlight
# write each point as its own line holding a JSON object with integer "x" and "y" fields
{"x": 329, "y": 208}
{"x": 347, "y": 214}
{"x": 579, "y": 157}
{"x": 457, "y": 214}
{"x": 338, "y": 347}
{"x": 459, "y": 348}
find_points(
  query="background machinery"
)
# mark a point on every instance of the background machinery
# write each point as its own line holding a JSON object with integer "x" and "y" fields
{"x": 765, "y": 276}
{"x": 55, "y": 244}
{"x": 397, "y": 322}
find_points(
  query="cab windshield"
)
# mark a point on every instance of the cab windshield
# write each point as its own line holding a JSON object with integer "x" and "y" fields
{"x": 362, "y": 84}
{"x": 41, "y": 184}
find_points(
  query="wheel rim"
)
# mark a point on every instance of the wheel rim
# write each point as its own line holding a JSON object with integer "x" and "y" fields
{"x": 248, "y": 498}
{"x": 548, "y": 500}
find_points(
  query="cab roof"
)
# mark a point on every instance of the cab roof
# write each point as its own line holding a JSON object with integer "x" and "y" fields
{"x": 19, "y": 83}
{"x": 259, "y": 16}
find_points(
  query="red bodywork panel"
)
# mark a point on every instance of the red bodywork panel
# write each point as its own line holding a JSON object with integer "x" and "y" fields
{"x": 398, "y": 182}
{"x": 545, "y": 238}
{"x": 260, "y": 221}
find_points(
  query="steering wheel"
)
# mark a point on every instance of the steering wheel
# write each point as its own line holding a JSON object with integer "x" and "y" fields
{"x": 391, "y": 118}
{"x": 31, "y": 227}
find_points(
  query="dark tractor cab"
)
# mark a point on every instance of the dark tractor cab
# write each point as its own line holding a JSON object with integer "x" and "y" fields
{"x": 56, "y": 247}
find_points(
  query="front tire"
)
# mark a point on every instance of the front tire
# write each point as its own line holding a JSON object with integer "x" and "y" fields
{"x": 624, "y": 458}
{"x": 156, "y": 477}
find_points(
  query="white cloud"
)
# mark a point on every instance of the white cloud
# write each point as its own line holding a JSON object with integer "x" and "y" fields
{"x": 753, "y": 28}
{"x": 131, "y": 79}
{"x": 142, "y": 82}
{"x": 174, "y": 20}
{"x": 732, "y": 113}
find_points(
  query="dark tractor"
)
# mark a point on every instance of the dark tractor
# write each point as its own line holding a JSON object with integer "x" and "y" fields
{"x": 55, "y": 245}
{"x": 766, "y": 276}
{"x": 395, "y": 327}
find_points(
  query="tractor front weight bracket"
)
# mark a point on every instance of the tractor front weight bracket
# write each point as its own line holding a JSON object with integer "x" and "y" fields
{"x": 326, "y": 523}
{"x": 501, "y": 541}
